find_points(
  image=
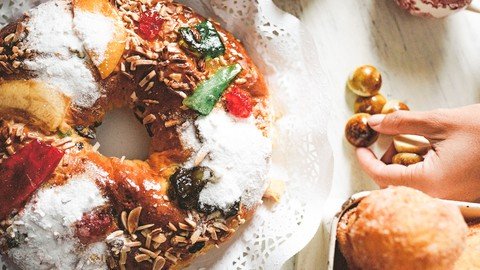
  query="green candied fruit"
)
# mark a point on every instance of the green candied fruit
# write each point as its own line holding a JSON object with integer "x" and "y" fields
{"x": 207, "y": 93}
{"x": 207, "y": 45}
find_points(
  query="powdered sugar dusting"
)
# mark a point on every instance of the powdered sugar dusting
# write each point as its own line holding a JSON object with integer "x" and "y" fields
{"x": 239, "y": 156}
{"x": 50, "y": 29}
{"x": 59, "y": 62}
{"x": 96, "y": 31}
{"x": 70, "y": 76}
{"x": 44, "y": 228}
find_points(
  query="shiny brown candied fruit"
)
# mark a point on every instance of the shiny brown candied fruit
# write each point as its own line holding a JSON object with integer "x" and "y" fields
{"x": 393, "y": 106}
{"x": 365, "y": 81}
{"x": 370, "y": 105}
{"x": 358, "y": 132}
{"x": 85, "y": 132}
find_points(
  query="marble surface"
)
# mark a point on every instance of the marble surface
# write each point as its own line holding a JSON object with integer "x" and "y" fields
{"x": 428, "y": 63}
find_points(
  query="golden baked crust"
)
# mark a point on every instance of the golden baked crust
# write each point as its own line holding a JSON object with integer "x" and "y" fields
{"x": 469, "y": 260}
{"x": 401, "y": 228}
{"x": 157, "y": 102}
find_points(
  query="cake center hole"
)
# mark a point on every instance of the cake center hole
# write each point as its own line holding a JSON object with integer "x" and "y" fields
{"x": 121, "y": 134}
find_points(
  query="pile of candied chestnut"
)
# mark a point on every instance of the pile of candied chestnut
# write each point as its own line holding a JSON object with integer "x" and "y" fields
{"x": 366, "y": 82}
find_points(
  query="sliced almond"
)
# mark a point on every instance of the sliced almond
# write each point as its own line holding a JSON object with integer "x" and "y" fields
{"x": 133, "y": 217}
{"x": 159, "y": 239}
{"x": 134, "y": 244}
{"x": 172, "y": 227}
{"x": 123, "y": 256}
{"x": 158, "y": 263}
{"x": 123, "y": 217}
{"x": 148, "y": 241}
{"x": 195, "y": 236}
{"x": 142, "y": 257}
{"x": 114, "y": 235}
{"x": 144, "y": 227}
{"x": 171, "y": 257}
{"x": 220, "y": 226}
{"x": 148, "y": 252}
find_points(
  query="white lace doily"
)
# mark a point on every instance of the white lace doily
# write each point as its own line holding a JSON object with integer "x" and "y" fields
{"x": 287, "y": 56}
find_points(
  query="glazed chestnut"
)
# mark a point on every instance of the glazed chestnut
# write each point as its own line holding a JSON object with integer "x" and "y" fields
{"x": 411, "y": 144}
{"x": 365, "y": 81}
{"x": 393, "y": 106}
{"x": 370, "y": 105}
{"x": 406, "y": 159}
{"x": 358, "y": 132}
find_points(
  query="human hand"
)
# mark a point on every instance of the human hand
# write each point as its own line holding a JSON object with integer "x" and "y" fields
{"x": 451, "y": 169}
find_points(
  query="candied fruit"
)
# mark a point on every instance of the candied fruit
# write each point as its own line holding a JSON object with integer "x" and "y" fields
{"x": 238, "y": 103}
{"x": 24, "y": 172}
{"x": 149, "y": 25}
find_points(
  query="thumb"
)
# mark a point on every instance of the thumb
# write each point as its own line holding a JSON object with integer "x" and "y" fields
{"x": 427, "y": 124}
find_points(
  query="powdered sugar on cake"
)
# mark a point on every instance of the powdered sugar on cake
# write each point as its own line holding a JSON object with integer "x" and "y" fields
{"x": 61, "y": 58}
{"x": 44, "y": 229}
{"x": 96, "y": 31}
{"x": 50, "y": 29}
{"x": 239, "y": 155}
{"x": 71, "y": 77}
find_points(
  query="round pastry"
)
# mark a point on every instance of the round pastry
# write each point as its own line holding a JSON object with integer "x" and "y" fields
{"x": 63, "y": 205}
{"x": 401, "y": 228}
{"x": 469, "y": 258}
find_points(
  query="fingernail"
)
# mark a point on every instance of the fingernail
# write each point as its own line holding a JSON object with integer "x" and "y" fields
{"x": 376, "y": 119}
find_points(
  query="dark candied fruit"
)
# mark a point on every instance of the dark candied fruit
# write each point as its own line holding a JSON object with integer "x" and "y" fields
{"x": 85, "y": 132}
{"x": 15, "y": 240}
{"x": 230, "y": 212}
{"x": 149, "y": 25}
{"x": 79, "y": 145}
{"x": 23, "y": 172}
{"x": 238, "y": 103}
{"x": 196, "y": 247}
{"x": 186, "y": 185}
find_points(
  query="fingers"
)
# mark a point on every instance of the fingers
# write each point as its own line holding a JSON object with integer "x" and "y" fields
{"x": 394, "y": 174}
{"x": 428, "y": 124}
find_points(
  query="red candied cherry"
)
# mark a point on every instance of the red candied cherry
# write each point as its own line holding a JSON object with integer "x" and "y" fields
{"x": 93, "y": 226}
{"x": 238, "y": 103}
{"x": 24, "y": 172}
{"x": 149, "y": 25}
